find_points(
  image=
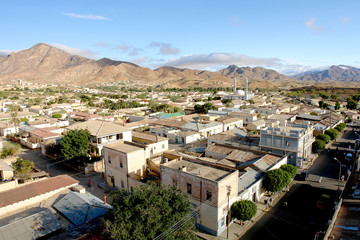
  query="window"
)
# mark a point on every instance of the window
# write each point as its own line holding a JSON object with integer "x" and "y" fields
{"x": 121, "y": 164}
{"x": 122, "y": 184}
{"x": 174, "y": 182}
{"x": 109, "y": 159}
{"x": 223, "y": 221}
{"x": 119, "y": 136}
{"x": 208, "y": 196}
{"x": 163, "y": 146}
{"x": 287, "y": 143}
{"x": 188, "y": 188}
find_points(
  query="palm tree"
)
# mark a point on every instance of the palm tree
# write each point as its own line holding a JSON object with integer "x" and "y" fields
{"x": 14, "y": 116}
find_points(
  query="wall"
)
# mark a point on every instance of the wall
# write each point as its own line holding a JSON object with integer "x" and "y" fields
{"x": 7, "y": 185}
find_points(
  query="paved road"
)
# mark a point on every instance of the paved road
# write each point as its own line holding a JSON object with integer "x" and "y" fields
{"x": 301, "y": 219}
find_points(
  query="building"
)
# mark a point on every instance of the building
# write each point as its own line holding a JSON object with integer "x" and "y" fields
{"x": 295, "y": 141}
{"x": 240, "y": 94}
{"x": 103, "y": 133}
{"x": 207, "y": 186}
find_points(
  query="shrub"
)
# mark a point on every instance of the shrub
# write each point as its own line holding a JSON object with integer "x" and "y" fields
{"x": 291, "y": 169}
{"x": 9, "y": 149}
{"x": 243, "y": 210}
{"x": 318, "y": 145}
{"x": 275, "y": 180}
{"x": 333, "y": 133}
{"x": 323, "y": 137}
{"x": 57, "y": 115}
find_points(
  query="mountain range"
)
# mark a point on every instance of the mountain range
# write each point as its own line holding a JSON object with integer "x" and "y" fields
{"x": 45, "y": 64}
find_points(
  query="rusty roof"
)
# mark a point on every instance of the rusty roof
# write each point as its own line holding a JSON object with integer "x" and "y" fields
{"x": 34, "y": 189}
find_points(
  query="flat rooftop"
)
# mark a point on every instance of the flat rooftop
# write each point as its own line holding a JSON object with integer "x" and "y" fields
{"x": 200, "y": 170}
{"x": 123, "y": 147}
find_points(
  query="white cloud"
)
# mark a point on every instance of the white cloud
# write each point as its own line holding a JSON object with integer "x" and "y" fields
{"x": 129, "y": 49}
{"x": 4, "y": 52}
{"x": 314, "y": 27}
{"x": 75, "y": 51}
{"x": 214, "y": 60}
{"x": 102, "y": 44}
{"x": 346, "y": 20}
{"x": 165, "y": 48}
{"x": 84, "y": 16}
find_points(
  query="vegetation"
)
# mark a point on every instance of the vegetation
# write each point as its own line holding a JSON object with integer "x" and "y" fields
{"x": 324, "y": 137}
{"x": 146, "y": 212}
{"x": 244, "y": 210}
{"x": 9, "y": 149}
{"x": 275, "y": 180}
{"x": 318, "y": 145}
{"x": 323, "y": 105}
{"x": 352, "y": 104}
{"x": 76, "y": 144}
{"x": 340, "y": 127}
{"x": 204, "y": 108}
{"x": 163, "y": 108}
{"x": 291, "y": 169}
{"x": 57, "y": 115}
{"x": 332, "y": 133}
{"x": 337, "y": 106}
{"x": 22, "y": 168}
{"x": 314, "y": 113}
{"x": 323, "y": 95}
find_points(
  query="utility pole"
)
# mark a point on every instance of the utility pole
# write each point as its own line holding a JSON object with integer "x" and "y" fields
{"x": 228, "y": 187}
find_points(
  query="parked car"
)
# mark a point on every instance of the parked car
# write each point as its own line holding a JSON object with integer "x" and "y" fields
{"x": 303, "y": 175}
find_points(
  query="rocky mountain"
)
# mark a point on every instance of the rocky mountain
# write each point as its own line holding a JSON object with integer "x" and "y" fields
{"x": 46, "y": 64}
{"x": 339, "y": 73}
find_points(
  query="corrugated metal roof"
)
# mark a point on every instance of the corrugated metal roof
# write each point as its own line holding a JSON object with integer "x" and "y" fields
{"x": 80, "y": 207}
{"x": 32, "y": 226}
{"x": 251, "y": 176}
{"x": 99, "y": 128}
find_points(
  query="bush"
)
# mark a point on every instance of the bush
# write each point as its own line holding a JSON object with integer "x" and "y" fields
{"x": 323, "y": 137}
{"x": 291, "y": 169}
{"x": 318, "y": 145}
{"x": 243, "y": 210}
{"x": 57, "y": 115}
{"x": 9, "y": 149}
{"x": 333, "y": 133}
{"x": 23, "y": 168}
{"x": 340, "y": 127}
{"x": 275, "y": 180}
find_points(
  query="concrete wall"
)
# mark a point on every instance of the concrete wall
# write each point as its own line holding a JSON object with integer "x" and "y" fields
{"x": 7, "y": 185}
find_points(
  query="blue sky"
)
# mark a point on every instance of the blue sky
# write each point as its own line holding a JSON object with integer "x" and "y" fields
{"x": 287, "y": 36}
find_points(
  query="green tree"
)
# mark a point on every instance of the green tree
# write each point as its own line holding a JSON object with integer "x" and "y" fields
{"x": 75, "y": 144}
{"x": 324, "y": 137}
{"x": 57, "y": 115}
{"x": 146, "y": 212}
{"x": 22, "y": 168}
{"x": 352, "y": 104}
{"x": 318, "y": 145}
{"x": 14, "y": 116}
{"x": 333, "y": 133}
{"x": 314, "y": 113}
{"x": 291, "y": 169}
{"x": 334, "y": 97}
{"x": 275, "y": 180}
{"x": 244, "y": 210}
{"x": 337, "y": 106}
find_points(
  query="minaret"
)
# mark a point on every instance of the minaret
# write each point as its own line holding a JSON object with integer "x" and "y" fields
{"x": 234, "y": 84}
{"x": 246, "y": 88}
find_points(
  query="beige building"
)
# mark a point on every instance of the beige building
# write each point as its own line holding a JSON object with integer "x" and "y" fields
{"x": 207, "y": 186}
{"x": 103, "y": 133}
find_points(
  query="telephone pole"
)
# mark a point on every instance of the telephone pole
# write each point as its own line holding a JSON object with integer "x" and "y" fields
{"x": 228, "y": 187}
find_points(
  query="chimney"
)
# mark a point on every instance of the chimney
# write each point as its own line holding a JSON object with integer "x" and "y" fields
{"x": 104, "y": 199}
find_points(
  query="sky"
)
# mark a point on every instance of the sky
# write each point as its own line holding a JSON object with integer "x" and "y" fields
{"x": 287, "y": 36}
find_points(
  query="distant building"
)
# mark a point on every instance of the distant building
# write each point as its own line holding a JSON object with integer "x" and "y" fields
{"x": 240, "y": 94}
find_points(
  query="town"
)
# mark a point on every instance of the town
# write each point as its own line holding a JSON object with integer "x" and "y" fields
{"x": 248, "y": 160}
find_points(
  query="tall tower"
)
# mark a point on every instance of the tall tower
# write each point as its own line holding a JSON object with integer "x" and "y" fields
{"x": 234, "y": 84}
{"x": 246, "y": 88}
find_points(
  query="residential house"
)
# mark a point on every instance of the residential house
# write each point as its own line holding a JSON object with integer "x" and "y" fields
{"x": 230, "y": 123}
{"x": 155, "y": 144}
{"x": 103, "y": 133}
{"x": 205, "y": 129}
{"x": 83, "y": 116}
{"x": 256, "y": 125}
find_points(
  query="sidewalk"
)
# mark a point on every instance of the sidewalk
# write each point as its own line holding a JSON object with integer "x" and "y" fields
{"x": 236, "y": 231}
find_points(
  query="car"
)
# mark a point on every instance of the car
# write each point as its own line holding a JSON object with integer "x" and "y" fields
{"x": 303, "y": 175}
{"x": 324, "y": 202}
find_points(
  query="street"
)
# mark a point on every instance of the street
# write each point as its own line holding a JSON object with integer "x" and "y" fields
{"x": 306, "y": 212}
{"x": 55, "y": 168}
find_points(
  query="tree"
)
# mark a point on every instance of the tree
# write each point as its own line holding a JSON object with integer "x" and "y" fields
{"x": 352, "y": 104}
{"x": 318, "y": 145}
{"x": 333, "y": 133}
{"x": 340, "y": 127}
{"x": 146, "y": 212}
{"x": 275, "y": 180}
{"x": 76, "y": 143}
{"x": 23, "y": 168}
{"x": 337, "y": 106}
{"x": 291, "y": 169}
{"x": 324, "y": 137}
{"x": 57, "y": 115}
{"x": 244, "y": 210}
{"x": 14, "y": 116}
{"x": 314, "y": 113}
